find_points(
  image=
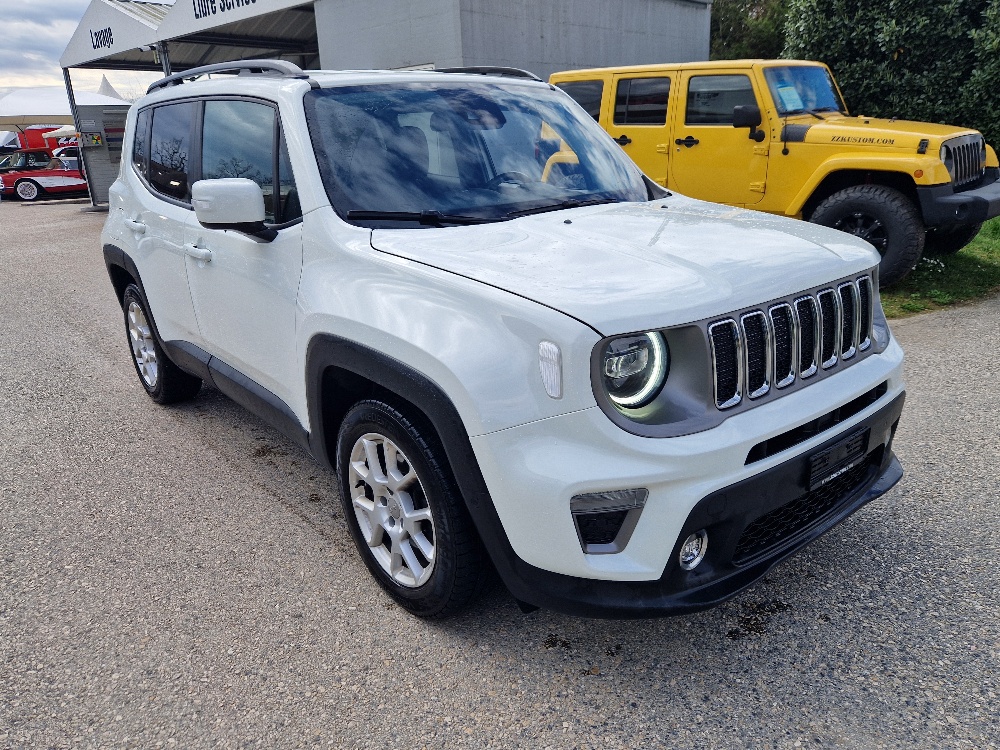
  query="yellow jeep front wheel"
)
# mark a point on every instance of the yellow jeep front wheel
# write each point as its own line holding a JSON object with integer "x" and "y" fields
{"x": 883, "y": 217}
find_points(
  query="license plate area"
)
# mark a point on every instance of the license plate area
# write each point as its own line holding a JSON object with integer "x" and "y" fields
{"x": 829, "y": 464}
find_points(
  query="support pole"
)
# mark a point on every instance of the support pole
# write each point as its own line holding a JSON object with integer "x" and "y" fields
{"x": 79, "y": 141}
{"x": 164, "y": 55}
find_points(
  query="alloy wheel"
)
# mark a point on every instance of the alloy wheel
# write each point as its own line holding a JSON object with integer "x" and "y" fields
{"x": 392, "y": 510}
{"x": 867, "y": 227}
{"x": 140, "y": 336}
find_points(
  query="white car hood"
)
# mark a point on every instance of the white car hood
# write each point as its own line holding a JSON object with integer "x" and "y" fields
{"x": 637, "y": 266}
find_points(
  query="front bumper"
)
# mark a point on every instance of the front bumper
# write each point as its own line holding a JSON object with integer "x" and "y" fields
{"x": 727, "y": 515}
{"x": 942, "y": 206}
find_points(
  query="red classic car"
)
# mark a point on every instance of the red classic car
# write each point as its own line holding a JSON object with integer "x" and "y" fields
{"x": 31, "y": 174}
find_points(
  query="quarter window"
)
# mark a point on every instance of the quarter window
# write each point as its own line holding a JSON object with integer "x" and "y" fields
{"x": 711, "y": 99}
{"x": 642, "y": 101}
{"x": 588, "y": 94}
{"x": 140, "y": 146}
{"x": 170, "y": 149}
{"x": 289, "y": 207}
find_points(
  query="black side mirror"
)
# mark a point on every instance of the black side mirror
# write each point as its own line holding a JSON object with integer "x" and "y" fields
{"x": 748, "y": 116}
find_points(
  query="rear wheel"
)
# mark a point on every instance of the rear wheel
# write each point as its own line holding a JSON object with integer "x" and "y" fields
{"x": 883, "y": 217}
{"x": 164, "y": 381}
{"x": 405, "y": 513}
{"x": 27, "y": 190}
{"x": 950, "y": 241}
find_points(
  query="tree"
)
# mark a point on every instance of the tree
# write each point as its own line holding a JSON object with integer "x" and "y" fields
{"x": 913, "y": 59}
{"x": 748, "y": 28}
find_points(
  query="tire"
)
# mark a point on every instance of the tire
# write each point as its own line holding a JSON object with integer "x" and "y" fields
{"x": 883, "y": 217}
{"x": 950, "y": 241}
{"x": 407, "y": 517}
{"x": 28, "y": 190}
{"x": 164, "y": 381}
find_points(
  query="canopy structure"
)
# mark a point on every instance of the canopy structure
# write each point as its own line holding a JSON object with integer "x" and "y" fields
{"x": 66, "y": 131}
{"x": 164, "y": 35}
{"x": 45, "y": 105}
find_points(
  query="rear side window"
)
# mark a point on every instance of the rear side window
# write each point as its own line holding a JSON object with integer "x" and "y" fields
{"x": 587, "y": 94}
{"x": 711, "y": 98}
{"x": 642, "y": 101}
{"x": 140, "y": 146}
{"x": 170, "y": 149}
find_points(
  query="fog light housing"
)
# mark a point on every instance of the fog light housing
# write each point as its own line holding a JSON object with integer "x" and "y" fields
{"x": 693, "y": 550}
{"x": 605, "y": 520}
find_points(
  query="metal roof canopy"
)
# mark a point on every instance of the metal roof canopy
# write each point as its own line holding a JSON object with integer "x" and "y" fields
{"x": 153, "y": 35}
{"x": 169, "y": 36}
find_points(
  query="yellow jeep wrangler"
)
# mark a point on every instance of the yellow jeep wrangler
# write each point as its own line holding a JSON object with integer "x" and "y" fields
{"x": 775, "y": 135}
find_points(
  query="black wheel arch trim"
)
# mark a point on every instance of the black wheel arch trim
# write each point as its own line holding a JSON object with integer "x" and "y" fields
{"x": 327, "y": 351}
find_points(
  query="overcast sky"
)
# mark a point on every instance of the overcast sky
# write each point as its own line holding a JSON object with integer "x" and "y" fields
{"x": 35, "y": 34}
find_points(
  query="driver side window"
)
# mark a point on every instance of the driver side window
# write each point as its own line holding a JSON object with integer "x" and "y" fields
{"x": 711, "y": 99}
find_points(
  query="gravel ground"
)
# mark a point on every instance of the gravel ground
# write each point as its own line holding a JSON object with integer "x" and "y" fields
{"x": 182, "y": 577}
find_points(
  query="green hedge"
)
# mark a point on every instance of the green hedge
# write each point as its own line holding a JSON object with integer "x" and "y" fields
{"x": 931, "y": 60}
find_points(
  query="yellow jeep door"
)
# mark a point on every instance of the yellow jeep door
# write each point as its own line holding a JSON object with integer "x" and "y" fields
{"x": 710, "y": 159}
{"x": 638, "y": 119}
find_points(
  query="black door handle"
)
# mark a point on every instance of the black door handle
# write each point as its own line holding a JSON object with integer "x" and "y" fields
{"x": 623, "y": 140}
{"x": 689, "y": 141}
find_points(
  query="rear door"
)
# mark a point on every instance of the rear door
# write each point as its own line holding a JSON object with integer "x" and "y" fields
{"x": 711, "y": 159}
{"x": 156, "y": 211}
{"x": 638, "y": 119}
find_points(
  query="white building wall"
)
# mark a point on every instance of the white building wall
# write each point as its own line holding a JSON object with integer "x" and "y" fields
{"x": 542, "y": 36}
{"x": 550, "y": 35}
{"x": 379, "y": 34}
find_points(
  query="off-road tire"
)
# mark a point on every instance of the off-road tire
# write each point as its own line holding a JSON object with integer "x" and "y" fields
{"x": 882, "y": 216}
{"x": 950, "y": 241}
{"x": 164, "y": 381}
{"x": 460, "y": 568}
{"x": 28, "y": 190}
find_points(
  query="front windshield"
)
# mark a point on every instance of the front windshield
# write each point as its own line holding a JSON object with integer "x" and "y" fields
{"x": 13, "y": 161}
{"x": 483, "y": 152}
{"x": 803, "y": 88}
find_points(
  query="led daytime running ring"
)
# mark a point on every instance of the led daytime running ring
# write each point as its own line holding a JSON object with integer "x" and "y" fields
{"x": 655, "y": 381}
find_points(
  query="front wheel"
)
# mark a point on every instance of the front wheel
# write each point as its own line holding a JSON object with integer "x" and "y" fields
{"x": 950, "y": 241}
{"x": 164, "y": 381}
{"x": 405, "y": 513}
{"x": 27, "y": 190}
{"x": 883, "y": 217}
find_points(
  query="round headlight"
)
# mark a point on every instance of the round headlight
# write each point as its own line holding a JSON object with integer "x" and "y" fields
{"x": 634, "y": 369}
{"x": 946, "y": 157}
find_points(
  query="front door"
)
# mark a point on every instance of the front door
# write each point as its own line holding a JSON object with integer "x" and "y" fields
{"x": 638, "y": 120}
{"x": 710, "y": 159}
{"x": 244, "y": 290}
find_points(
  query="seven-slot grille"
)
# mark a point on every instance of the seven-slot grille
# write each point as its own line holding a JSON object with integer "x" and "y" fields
{"x": 967, "y": 163}
{"x": 772, "y": 347}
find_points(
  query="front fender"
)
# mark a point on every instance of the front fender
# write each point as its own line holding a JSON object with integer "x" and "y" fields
{"x": 934, "y": 172}
{"x": 477, "y": 343}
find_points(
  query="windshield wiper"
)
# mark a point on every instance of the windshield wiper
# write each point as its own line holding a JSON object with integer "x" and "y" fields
{"x": 571, "y": 203}
{"x": 812, "y": 112}
{"x": 428, "y": 218}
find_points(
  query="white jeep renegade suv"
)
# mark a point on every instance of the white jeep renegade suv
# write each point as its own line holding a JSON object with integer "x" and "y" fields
{"x": 514, "y": 349}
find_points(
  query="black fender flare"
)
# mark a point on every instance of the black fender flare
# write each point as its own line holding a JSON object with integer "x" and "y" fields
{"x": 326, "y": 351}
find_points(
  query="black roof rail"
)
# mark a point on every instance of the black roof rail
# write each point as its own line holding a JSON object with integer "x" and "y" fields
{"x": 282, "y": 68}
{"x": 494, "y": 70}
